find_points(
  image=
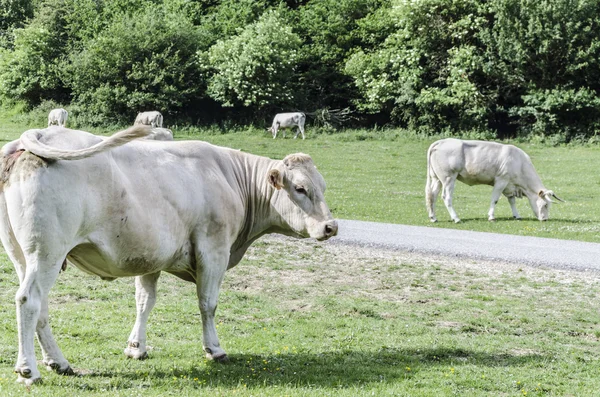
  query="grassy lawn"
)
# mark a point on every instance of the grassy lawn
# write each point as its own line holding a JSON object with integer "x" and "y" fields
{"x": 315, "y": 319}
{"x": 380, "y": 176}
{"x": 367, "y": 323}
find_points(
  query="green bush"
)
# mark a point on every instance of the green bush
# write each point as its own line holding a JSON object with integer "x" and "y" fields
{"x": 257, "y": 67}
{"x": 140, "y": 62}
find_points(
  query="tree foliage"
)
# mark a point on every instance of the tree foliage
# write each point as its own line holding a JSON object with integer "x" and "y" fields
{"x": 256, "y": 67}
{"x": 501, "y": 66}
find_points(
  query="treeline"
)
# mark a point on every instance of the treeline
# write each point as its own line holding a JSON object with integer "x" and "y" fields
{"x": 506, "y": 67}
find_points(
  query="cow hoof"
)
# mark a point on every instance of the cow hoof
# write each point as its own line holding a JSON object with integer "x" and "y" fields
{"x": 517, "y": 218}
{"x": 221, "y": 358}
{"x": 28, "y": 381}
{"x": 61, "y": 370}
{"x": 456, "y": 220}
{"x": 432, "y": 219}
{"x": 135, "y": 353}
{"x": 492, "y": 219}
{"x": 27, "y": 377}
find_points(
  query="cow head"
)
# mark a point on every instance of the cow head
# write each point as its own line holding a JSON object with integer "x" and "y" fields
{"x": 300, "y": 200}
{"x": 542, "y": 203}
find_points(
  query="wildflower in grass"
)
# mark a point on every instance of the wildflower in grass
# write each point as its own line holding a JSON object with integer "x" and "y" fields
{"x": 408, "y": 369}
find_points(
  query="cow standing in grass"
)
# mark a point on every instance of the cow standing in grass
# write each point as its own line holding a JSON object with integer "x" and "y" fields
{"x": 284, "y": 121}
{"x": 58, "y": 117}
{"x": 505, "y": 167}
{"x": 185, "y": 207}
{"x": 153, "y": 118}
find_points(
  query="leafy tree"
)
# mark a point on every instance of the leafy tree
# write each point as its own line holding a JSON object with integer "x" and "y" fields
{"x": 425, "y": 73}
{"x": 327, "y": 28}
{"x": 31, "y": 72}
{"x": 255, "y": 68}
{"x": 141, "y": 61}
{"x": 13, "y": 15}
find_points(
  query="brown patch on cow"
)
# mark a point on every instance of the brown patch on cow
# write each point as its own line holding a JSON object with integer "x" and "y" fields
{"x": 22, "y": 162}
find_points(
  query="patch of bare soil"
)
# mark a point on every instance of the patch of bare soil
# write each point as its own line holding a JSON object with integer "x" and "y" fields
{"x": 277, "y": 263}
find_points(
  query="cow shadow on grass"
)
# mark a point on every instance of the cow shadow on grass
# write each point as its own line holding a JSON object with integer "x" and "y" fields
{"x": 337, "y": 369}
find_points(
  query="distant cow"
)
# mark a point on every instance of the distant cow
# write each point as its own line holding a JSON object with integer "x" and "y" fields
{"x": 154, "y": 118}
{"x": 288, "y": 120}
{"x": 57, "y": 117}
{"x": 160, "y": 134}
{"x": 505, "y": 167}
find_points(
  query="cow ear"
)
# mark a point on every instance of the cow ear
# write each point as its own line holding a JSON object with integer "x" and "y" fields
{"x": 275, "y": 178}
{"x": 541, "y": 193}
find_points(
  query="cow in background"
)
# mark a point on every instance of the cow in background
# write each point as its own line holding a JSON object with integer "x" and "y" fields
{"x": 153, "y": 118}
{"x": 58, "y": 117}
{"x": 288, "y": 120}
{"x": 160, "y": 134}
{"x": 505, "y": 167}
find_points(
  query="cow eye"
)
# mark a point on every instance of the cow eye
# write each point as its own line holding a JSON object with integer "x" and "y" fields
{"x": 300, "y": 190}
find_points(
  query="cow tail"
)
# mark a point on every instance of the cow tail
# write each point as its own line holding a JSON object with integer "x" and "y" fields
{"x": 428, "y": 188}
{"x": 30, "y": 141}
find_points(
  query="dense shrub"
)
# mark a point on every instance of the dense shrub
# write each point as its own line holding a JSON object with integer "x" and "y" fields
{"x": 140, "y": 62}
{"x": 256, "y": 67}
{"x": 507, "y": 67}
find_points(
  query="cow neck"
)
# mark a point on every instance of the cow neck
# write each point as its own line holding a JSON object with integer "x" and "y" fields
{"x": 534, "y": 183}
{"x": 257, "y": 194}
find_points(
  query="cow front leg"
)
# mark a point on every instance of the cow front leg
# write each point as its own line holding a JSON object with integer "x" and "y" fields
{"x": 513, "y": 206}
{"x": 145, "y": 298}
{"x": 499, "y": 186}
{"x": 39, "y": 277}
{"x": 209, "y": 278}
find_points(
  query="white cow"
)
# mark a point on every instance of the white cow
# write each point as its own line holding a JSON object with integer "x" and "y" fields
{"x": 505, "y": 167}
{"x": 57, "y": 117}
{"x": 288, "y": 120}
{"x": 160, "y": 134}
{"x": 153, "y": 118}
{"x": 185, "y": 207}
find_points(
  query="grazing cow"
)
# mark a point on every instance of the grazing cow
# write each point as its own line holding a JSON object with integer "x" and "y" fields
{"x": 57, "y": 117}
{"x": 154, "y": 118}
{"x": 185, "y": 207}
{"x": 505, "y": 167}
{"x": 288, "y": 120}
{"x": 160, "y": 134}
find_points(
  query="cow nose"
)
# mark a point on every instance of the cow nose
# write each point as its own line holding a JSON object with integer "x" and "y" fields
{"x": 331, "y": 229}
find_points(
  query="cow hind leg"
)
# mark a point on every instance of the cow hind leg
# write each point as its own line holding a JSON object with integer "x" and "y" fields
{"x": 432, "y": 191}
{"x": 31, "y": 302}
{"x": 448, "y": 190}
{"x": 53, "y": 358}
{"x": 208, "y": 282}
{"x": 145, "y": 298}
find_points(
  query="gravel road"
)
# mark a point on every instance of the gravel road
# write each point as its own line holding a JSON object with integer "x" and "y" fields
{"x": 533, "y": 251}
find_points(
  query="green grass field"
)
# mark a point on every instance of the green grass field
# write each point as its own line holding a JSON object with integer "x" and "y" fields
{"x": 302, "y": 318}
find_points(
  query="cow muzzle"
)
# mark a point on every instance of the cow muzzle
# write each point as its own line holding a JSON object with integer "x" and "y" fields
{"x": 330, "y": 229}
